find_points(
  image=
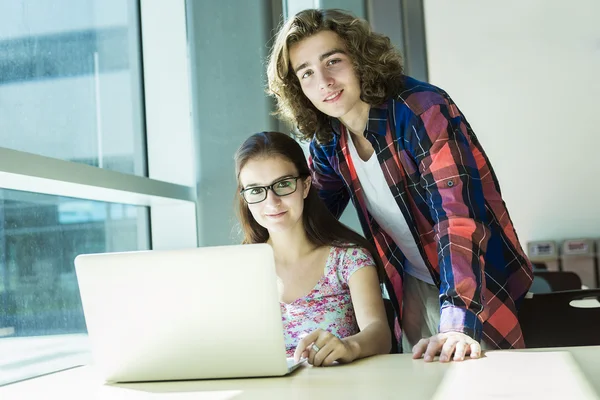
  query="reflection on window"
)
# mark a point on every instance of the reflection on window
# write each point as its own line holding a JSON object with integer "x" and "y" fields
{"x": 42, "y": 327}
{"x": 70, "y": 81}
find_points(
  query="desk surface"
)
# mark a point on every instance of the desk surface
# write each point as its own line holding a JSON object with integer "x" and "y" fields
{"x": 527, "y": 374}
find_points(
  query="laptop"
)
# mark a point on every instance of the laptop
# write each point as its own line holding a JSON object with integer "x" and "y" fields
{"x": 201, "y": 313}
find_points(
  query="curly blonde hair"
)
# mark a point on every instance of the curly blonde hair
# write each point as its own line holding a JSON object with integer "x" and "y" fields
{"x": 376, "y": 61}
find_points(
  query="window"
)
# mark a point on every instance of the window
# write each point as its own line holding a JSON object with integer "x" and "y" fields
{"x": 70, "y": 81}
{"x": 75, "y": 151}
{"x": 40, "y": 307}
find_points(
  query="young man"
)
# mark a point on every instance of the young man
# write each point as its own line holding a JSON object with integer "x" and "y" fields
{"x": 424, "y": 190}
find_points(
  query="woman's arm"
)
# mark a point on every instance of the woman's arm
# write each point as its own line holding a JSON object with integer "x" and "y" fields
{"x": 322, "y": 348}
{"x": 374, "y": 336}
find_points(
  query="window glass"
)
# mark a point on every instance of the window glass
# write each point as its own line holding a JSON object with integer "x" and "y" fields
{"x": 42, "y": 327}
{"x": 70, "y": 81}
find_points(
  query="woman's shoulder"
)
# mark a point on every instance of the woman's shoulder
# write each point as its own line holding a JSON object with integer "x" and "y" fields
{"x": 350, "y": 250}
{"x": 348, "y": 259}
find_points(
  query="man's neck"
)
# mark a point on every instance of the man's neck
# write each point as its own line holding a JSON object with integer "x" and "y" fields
{"x": 356, "y": 120}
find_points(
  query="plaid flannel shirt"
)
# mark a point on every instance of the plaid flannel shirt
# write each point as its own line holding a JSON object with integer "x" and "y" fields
{"x": 447, "y": 190}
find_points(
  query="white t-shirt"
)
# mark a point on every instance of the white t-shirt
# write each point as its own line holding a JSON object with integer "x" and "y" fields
{"x": 383, "y": 207}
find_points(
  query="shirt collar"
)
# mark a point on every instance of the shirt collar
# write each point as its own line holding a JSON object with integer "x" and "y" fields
{"x": 378, "y": 116}
{"x": 376, "y": 124}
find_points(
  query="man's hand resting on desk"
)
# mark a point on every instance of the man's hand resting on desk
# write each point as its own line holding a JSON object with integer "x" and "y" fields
{"x": 322, "y": 349}
{"x": 445, "y": 344}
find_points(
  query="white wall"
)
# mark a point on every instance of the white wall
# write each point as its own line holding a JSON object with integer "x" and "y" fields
{"x": 527, "y": 76}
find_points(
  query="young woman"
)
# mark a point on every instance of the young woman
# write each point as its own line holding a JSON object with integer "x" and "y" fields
{"x": 330, "y": 297}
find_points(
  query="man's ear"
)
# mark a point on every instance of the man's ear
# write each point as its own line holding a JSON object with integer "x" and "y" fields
{"x": 307, "y": 182}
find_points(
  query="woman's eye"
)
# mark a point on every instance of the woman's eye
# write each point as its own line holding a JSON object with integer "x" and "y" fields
{"x": 256, "y": 191}
{"x": 283, "y": 184}
{"x": 333, "y": 61}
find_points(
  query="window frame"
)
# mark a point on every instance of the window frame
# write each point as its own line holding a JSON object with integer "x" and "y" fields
{"x": 170, "y": 188}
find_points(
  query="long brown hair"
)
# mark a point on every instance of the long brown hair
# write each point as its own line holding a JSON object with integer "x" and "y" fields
{"x": 377, "y": 63}
{"x": 322, "y": 228}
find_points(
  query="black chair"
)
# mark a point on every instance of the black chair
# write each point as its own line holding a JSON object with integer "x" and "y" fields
{"x": 548, "y": 319}
{"x": 554, "y": 281}
{"x": 391, "y": 317}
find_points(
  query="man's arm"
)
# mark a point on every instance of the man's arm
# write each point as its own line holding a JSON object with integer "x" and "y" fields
{"x": 329, "y": 184}
{"x": 454, "y": 193}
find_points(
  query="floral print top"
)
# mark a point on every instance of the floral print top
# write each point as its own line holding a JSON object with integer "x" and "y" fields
{"x": 328, "y": 305}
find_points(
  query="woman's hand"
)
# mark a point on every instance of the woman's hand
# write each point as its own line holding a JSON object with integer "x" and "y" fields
{"x": 322, "y": 349}
{"x": 445, "y": 344}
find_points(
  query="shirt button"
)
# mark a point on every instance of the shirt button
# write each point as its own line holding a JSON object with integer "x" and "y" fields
{"x": 450, "y": 183}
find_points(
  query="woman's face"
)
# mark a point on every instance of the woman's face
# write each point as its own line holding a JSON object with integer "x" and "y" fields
{"x": 269, "y": 176}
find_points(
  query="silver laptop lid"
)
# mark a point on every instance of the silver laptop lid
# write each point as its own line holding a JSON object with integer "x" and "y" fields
{"x": 209, "y": 312}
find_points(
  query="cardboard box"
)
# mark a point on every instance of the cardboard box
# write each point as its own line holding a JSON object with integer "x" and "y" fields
{"x": 579, "y": 256}
{"x": 544, "y": 251}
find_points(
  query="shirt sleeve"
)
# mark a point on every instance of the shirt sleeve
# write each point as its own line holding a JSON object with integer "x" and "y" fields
{"x": 330, "y": 186}
{"x": 354, "y": 258}
{"x": 449, "y": 164}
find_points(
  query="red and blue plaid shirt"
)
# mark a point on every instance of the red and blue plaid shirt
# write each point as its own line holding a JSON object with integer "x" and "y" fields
{"x": 446, "y": 189}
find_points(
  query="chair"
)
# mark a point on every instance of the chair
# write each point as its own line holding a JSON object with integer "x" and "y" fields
{"x": 554, "y": 281}
{"x": 391, "y": 317}
{"x": 549, "y": 320}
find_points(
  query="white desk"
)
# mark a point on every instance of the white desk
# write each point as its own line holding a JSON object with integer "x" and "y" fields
{"x": 383, "y": 377}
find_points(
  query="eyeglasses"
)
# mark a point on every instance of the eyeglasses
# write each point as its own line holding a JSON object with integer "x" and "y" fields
{"x": 282, "y": 187}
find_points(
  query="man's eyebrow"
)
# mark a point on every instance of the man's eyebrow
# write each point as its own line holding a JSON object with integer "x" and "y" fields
{"x": 278, "y": 179}
{"x": 321, "y": 58}
{"x": 330, "y": 53}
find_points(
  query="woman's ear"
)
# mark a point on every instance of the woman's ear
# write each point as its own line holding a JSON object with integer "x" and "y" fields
{"x": 307, "y": 182}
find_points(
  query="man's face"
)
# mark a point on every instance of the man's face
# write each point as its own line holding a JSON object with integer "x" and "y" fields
{"x": 326, "y": 74}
